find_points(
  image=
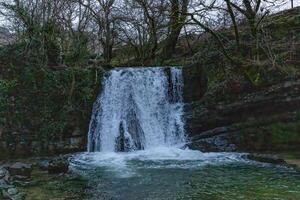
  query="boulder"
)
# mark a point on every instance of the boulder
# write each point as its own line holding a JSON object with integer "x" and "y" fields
{"x": 4, "y": 184}
{"x": 43, "y": 165}
{"x": 216, "y": 143}
{"x": 20, "y": 169}
{"x": 3, "y": 172}
{"x": 7, "y": 190}
{"x": 266, "y": 158}
{"x": 76, "y": 142}
{"x": 58, "y": 165}
{"x": 4, "y": 179}
{"x": 13, "y": 193}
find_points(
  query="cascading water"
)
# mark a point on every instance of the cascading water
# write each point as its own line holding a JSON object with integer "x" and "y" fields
{"x": 139, "y": 108}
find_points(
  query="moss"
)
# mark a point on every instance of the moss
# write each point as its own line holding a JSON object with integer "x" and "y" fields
{"x": 47, "y": 186}
{"x": 285, "y": 133}
{"x": 45, "y": 105}
{"x": 275, "y": 136}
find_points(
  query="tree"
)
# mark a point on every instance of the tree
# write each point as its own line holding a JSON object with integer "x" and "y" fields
{"x": 132, "y": 31}
{"x": 153, "y": 11}
{"x": 104, "y": 19}
{"x": 37, "y": 24}
{"x": 251, "y": 11}
{"x": 234, "y": 23}
{"x": 176, "y": 22}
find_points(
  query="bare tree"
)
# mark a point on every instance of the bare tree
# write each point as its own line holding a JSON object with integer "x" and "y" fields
{"x": 177, "y": 16}
{"x": 104, "y": 19}
{"x": 37, "y": 23}
{"x": 153, "y": 16}
{"x": 234, "y": 22}
{"x": 132, "y": 31}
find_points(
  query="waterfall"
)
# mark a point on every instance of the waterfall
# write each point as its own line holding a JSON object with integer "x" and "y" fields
{"x": 139, "y": 108}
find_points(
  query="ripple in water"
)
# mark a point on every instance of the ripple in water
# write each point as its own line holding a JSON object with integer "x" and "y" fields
{"x": 140, "y": 112}
{"x": 172, "y": 173}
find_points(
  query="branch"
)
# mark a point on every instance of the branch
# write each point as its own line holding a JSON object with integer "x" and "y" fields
{"x": 217, "y": 38}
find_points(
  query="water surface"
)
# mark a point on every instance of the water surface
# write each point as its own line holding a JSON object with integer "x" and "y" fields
{"x": 171, "y": 173}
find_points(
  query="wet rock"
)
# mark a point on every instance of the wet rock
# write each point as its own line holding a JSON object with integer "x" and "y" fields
{"x": 3, "y": 172}
{"x": 266, "y": 158}
{"x": 4, "y": 179}
{"x": 20, "y": 169}
{"x": 217, "y": 143}
{"x": 6, "y": 176}
{"x": 76, "y": 142}
{"x": 58, "y": 165}
{"x": 13, "y": 194}
{"x": 20, "y": 178}
{"x": 43, "y": 165}
{"x": 7, "y": 190}
{"x": 12, "y": 191}
{"x": 3, "y": 184}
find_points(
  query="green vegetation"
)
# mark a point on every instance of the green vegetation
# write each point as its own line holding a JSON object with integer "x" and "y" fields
{"x": 44, "y": 186}
{"x": 50, "y": 74}
{"x": 273, "y": 136}
{"x": 44, "y": 104}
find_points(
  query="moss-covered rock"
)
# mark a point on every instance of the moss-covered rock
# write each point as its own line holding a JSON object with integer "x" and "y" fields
{"x": 46, "y": 110}
{"x": 277, "y": 136}
{"x": 265, "y": 120}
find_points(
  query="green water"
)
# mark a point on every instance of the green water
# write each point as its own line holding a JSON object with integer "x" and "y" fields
{"x": 217, "y": 176}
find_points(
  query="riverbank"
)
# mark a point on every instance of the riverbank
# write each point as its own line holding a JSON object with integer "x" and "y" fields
{"x": 142, "y": 175}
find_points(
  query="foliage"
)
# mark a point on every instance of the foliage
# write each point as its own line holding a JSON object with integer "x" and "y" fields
{"x": 6, "y": 87}
{"x": 46, "y": 101}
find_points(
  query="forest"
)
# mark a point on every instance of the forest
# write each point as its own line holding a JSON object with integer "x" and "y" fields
{"x": 204, "y": 76}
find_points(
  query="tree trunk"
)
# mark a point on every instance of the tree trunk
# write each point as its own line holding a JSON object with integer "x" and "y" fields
{"x": 236, "y": 31}
{"x": 108, "y": 39}
{"x": 177, "y": 19}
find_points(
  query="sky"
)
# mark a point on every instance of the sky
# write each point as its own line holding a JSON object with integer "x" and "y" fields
{"x": 287, "y": 5}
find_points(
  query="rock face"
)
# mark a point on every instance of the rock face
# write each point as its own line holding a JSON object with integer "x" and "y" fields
{"x": 43, "y": 165}
{"x": 273, "y": 159}
{"x": 253, "y": 121}
{"x": 195, "y": 82}
{"x": 7, "y": 190}
{"x": 215, "y": 140}
{"x": 21, "y": 144}
{"x": 20, "y": 169}
{"x": 58, "y": 165}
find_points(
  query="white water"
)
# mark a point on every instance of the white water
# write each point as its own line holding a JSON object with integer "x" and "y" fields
{"x": 128, "y": 164}
{"x": 145, "y": 107}
{"x": 139, "y": 108}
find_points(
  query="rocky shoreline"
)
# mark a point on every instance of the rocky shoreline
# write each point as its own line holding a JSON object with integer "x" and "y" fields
{"x": 32, "y": 178}
{"x": 51, "y": 178}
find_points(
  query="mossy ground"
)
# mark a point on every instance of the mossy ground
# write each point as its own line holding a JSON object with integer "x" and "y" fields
{"x": 45, "y": 186}
{"x": 277, "y": 136}
{"x": 54, "y": 187}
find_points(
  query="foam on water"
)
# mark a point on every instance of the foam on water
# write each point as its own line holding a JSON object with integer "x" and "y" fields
{"x": 137, "y": 123}
{"x": 126, "y": 164}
